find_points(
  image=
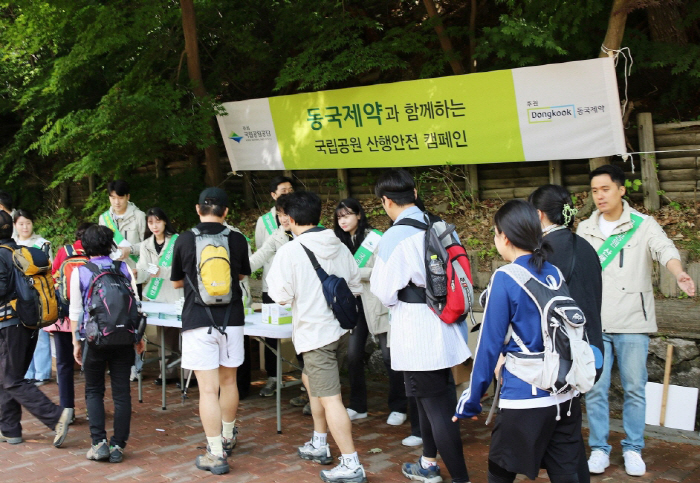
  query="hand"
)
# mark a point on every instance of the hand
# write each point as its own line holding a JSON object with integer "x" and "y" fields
{"x": 157, "y": 274}
{"x": 499, "y": 365}
{"x": 126, "y": 251}
{"x": 140, "y": 346}
{"x": 686, "y": 284}
{"x": 78, "y": 353}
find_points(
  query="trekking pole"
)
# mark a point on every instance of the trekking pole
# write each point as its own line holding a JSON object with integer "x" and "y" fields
{"x": 187, "y": 385}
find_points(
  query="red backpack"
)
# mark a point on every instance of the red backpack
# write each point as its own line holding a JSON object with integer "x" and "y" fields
{"x": 75, "y": 258}
{"x": 448, "y": 291}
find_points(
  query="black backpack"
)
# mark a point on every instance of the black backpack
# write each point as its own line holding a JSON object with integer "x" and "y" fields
{"x": 113, "y": 310}
{"x": 340, "y": 298}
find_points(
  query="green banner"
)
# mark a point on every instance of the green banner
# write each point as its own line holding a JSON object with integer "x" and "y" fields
{"x": 369, "y": 244}
{"x": 118, "y": 237}
{"x": 269, "y": 222}
{"x": 166, "y": 258}
{"x": 612, "y": 246}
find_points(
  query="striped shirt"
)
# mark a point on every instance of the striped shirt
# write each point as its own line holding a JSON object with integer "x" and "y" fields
{"x": 420, "y": 341}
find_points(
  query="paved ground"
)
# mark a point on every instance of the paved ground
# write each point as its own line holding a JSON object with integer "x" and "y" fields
{"x": 164, "y": 444}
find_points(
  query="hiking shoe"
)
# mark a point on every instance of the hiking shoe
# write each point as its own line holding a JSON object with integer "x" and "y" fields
{"x": 10, "y": 439}
{"x": 41, "y": 382}
{"x": 396, "y": 418}
{"x": 320, "y": 455}
{"x": 209, "y": 462}
{"x": 270, "y": 387}
{"x": 99, "y": 451}
{"x": 307, "y": 410}
{"x": 598, "y": 461}
{"x": 634, "y": 464}
{"x": 71, "y": 418}
{"x": 412, "y": 441}
{"x": 355, "y": 415}
{"x": 229, "y": 444}
{"x": 300, "y": 401}
{"x": 116, "y": 454}
{"x": 62, "y": 427}
{"x": 416, "y": 472}
{"x": 344, "y": 474}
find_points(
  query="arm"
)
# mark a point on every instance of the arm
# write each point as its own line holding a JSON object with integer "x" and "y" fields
{"x": 268, "y": 249}
{"x": 6, "y": 281}
{"x": 354, "y": 281}
{"x": 177, "y": 275}
{"x": 392, "y": 272}
{"x": 142, "y": 274}
{"x": 365, "y": 273}
{"x": 259, "y": 233}
{"x": 663, "y": 250}
{"x": 280, "y": 279}
{"x": 75, "y": 311}
{"x": 497, "y": 316}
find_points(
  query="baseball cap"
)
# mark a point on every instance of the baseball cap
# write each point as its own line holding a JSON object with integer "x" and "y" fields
{"x": 213, "y": 196}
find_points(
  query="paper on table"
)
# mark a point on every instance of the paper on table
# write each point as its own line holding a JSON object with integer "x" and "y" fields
{"x": 681, "y": 405}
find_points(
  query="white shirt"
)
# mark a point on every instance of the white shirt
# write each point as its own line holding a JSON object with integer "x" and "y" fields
{"x": 292, "y": 279}
{"x": 420, "y": 341}
{"x": 607, "y": 227}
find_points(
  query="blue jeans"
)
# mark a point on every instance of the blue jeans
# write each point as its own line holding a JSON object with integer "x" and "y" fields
{"x": 631, "y": 351}
{"x": 40, "y": 368}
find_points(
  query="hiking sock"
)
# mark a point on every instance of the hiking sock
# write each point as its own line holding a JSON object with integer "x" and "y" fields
{"x": 351, "y": 460}
{"x": 319, "y": 439}
{"x": 228, "y": 429}
{"x": 215, "y": 446}
{"x": 425, "y": 464}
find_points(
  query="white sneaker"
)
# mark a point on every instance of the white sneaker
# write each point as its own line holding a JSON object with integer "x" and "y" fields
{"x": 396, "y": 418}
{"x": 134, "y": 374}
{"x": 355, "y": 415}
{"x": 344, "y": 474}
{"x": 598, "y": 461}
{"x": 412, "y": 441}
{"x": 634, "y": 464}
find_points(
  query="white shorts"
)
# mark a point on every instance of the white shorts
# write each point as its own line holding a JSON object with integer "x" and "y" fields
{"x": 202, "y": 351}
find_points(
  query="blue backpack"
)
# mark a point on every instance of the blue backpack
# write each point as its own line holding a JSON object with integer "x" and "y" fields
{"x": 338, "y": 295}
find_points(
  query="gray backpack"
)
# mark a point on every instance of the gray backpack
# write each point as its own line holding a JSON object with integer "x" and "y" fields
{"x": 567, "y": 361}
{"x": 214, "y": 284}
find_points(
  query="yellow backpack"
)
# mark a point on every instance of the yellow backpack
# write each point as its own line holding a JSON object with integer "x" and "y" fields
{"x": 213, "y": 267}
{"x": 36, "y": 304}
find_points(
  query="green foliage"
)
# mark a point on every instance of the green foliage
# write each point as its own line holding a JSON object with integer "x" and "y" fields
{"x": 633, "y": 185}
{"x": 59, "y": 228}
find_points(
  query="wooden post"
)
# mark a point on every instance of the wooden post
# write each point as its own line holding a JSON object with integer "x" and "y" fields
{"x": 91, "y": 183}
{"x": 160, "y": 168}
{"x": 555, "y": 173}
{"x": 650, "y": 181}
{"x": 248, "y": 190}
{"x": 343, "y": 184}
{"x": 65, "y": 195}
{"x": 667, "y": 378}
{"x": 289, "y": 173}
{"x": 473, "y": 181}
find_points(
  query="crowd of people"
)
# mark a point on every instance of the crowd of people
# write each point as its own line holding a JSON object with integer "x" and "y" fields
{"x": 603, "y": 272}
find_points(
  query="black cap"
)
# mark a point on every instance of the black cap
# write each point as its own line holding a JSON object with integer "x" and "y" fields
{"x": 213, "y": 196}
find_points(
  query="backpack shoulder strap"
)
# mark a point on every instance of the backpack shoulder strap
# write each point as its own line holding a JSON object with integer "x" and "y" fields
{"x": 70, "y": 250}
{"x": 196, "y": 231}
{"x": 411, "y": 222}
{"x": 312, "y": 257}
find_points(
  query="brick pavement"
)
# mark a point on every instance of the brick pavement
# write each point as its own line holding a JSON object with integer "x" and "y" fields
{"x": 164, "y": 444}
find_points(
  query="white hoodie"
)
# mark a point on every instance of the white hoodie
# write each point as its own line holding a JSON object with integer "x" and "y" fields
{"x": 292, "y": 279}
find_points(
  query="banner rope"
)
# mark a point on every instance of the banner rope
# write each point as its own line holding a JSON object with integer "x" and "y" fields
{"x": 629, "y": 62}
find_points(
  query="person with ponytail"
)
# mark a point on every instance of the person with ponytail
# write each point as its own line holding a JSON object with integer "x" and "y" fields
{"x": 351, "y": 226}
{"x": 533, "y": 428}
{"x": 580, "y": 266}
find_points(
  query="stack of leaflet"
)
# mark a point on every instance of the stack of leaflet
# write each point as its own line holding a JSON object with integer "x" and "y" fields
{"x": 159, "y": 310}
{"x": 276, "y": 314}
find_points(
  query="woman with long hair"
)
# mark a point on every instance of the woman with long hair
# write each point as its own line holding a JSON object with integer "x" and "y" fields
{"x": 351, "y": 226}
{"x": 579, "y": 264}
{"x": 534, "y": 429}
{"x": 153, "y": 270}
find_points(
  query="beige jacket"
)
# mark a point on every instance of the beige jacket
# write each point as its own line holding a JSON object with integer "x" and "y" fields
{"x": 264, "y": 254}
{"x": 261, "y": 235}
{"x": 628, "y": 295}
{"x": 167, "y": 293}
{"x": 376, "y": 314}
{"x": 132, "y": 226}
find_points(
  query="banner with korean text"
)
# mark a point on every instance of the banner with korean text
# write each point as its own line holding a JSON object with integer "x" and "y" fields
{"x": 549, "y": 112}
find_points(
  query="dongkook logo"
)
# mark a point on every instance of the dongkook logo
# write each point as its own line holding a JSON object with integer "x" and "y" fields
{"x": 548, "y": 114}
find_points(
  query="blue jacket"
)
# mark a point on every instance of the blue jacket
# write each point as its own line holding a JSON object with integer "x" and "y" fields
{"x": 507, "y": 304}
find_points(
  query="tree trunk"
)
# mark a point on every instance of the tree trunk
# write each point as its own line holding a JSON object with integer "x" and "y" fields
{"x": 445, "y": 41}
{"x": 666, "y": 24}
{"x": 213, "y": 175}
{"x": 472, "y": 37}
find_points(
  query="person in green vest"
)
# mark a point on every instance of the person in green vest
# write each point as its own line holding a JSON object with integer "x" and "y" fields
{"x": 153, "y": 270}
{"x": 126, "y": 221}
{"x": 265, "y": 227}
{"x": 627, "y": 243}
{"x": 39, "y": 371}
{"x": 351, "y": 226}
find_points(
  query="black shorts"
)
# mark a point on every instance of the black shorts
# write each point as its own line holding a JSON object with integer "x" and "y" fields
{"x": 525, "y": 440}
{"x": 428, "y": 383}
